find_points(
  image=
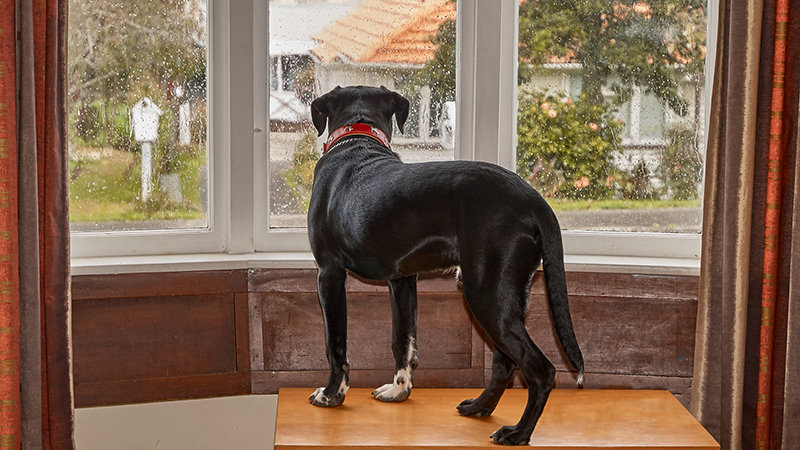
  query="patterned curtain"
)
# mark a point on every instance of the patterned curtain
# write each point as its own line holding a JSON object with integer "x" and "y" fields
{"x": 748, "y": 326}
{"x": 36, "y": 404}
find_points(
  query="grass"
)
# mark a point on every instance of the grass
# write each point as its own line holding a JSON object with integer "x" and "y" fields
{"x": 105, "y": 185}
{"x": 611, "y": 204}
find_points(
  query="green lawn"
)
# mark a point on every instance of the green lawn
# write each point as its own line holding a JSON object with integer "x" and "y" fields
{"x": 590, "y": 205}
{"x": 105, "y": 185}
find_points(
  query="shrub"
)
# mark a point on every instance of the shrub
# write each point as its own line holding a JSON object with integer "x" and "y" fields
{"x": 565, "y": 145}
{"x": 300, "y": 176}
{"x": 681, "y": 168}
{"x": 635, "y": 184}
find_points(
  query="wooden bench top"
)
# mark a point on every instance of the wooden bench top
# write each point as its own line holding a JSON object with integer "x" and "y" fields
{"x": 574, "y": 419}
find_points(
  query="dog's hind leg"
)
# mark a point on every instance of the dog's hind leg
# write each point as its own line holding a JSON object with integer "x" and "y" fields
{"x": 502, "y": 373}
{"x": 511, "y": 337}
{"x": 539, "y": 374}
{"x": 331, "y": 287}
{"x": 496, "y": 287}
{"x": 404, "y": 339}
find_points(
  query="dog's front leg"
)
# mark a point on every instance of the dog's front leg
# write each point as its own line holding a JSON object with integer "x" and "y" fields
{"x": 331, "y": 287}
{"x": 404, "y": 339}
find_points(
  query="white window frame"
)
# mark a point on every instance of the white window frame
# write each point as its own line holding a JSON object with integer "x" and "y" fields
{"x": 221, "y": 138}
{"x": 495, "y": 140}
{"x": 239, "y": 135}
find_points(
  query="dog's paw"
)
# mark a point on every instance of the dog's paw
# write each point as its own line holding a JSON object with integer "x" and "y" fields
{"x": 318, "y": 398}
{"x": 510, "y": 436}
{"x": 394, "y": 392}
{"x": 397, "y": 391}
{"x": 470, "y": 408}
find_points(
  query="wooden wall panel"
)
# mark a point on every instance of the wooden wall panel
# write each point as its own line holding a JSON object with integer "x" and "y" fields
{"x": 294, "y": 337}
{"x": 158, "y": 284}
{"x": 294, "y": 341}
{"x": 154, "y": 337}
{"x": 146, "y": 337}
{"x": 635, "y": 331}
{"x": 136, "y": 338}
{"x": 622, "y": 331}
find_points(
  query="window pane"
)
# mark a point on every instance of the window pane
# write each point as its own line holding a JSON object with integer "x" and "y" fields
{"x": 137, "y": 115}
{"x": 610, "y": 119}
{"x": 406, "y": 46}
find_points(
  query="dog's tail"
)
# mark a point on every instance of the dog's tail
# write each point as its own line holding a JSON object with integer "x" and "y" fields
{"x": 555, "y": 279}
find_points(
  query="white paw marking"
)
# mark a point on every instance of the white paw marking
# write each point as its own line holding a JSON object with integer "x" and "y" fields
{"x": 344, "y": 387}
{"x": 317, "y": 397}
{"x": 397, "y": 390}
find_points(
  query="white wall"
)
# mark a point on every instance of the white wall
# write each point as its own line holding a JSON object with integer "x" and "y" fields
{"x": 242, "y": 423}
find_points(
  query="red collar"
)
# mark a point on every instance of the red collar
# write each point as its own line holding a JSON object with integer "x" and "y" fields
{"x": 360, "y": 129}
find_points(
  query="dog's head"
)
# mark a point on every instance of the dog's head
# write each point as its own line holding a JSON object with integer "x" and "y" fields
{"x": 359, "y": 104}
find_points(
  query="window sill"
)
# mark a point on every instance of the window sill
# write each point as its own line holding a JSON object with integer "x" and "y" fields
{"x": 304, "y": 260}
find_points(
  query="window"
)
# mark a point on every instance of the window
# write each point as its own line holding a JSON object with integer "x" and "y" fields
{"x": 137, "y": 115}
{"x": 265, "y": 62}
{"x": 610, "y": 120}
{"x": 141, "y": 165}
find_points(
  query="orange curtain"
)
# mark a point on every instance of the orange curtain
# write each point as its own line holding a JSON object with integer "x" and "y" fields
{"x": 36, "y": 404}
{"x": 9, "y": 255}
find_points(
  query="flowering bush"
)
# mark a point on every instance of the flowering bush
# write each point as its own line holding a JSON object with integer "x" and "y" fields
{"x": 565, "y": 145}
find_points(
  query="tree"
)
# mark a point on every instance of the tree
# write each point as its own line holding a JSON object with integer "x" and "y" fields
{"x": 440, "y": 72}
{"x": 123, "y": 49}
{"x": 617, "y": 43}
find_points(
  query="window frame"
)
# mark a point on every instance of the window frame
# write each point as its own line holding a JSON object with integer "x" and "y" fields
{"x": 238, "y": 95}
{"x": 212, "y": 239}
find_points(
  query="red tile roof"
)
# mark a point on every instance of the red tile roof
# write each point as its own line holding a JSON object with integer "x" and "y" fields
{"x": 385, "y": 31}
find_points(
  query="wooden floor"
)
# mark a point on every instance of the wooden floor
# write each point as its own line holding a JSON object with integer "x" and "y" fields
{"x": 573, "y": 419}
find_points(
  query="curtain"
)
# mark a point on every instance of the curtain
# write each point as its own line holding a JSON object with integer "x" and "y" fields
{"x": 36, "y": 403}
{"x": 747, "y": 343}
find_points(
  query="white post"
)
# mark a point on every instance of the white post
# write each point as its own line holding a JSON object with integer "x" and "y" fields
{"x": 184, "y": 134}
{"x": 147, "y": 170}
{"x": 144, "y": 117}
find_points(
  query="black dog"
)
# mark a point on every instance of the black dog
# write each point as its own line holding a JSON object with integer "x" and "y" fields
{"x": 382, "y": 219}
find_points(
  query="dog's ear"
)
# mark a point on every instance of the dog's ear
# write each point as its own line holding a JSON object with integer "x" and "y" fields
{"x": 401, "y": 107}
{"x": 319, "y": 113}
{"x": 320, "y": 109}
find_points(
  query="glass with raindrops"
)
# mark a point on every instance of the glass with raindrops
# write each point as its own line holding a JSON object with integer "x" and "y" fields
{"x": 137, "y": 122}
{"x": 314, "y": 46}
{"x": 611, "y": 106}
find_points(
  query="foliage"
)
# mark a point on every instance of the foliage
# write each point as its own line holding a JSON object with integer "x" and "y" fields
{"x": 115, "y": 45}
{"x": 618, "y": 43}
{"x": 123, "y": 50}
{"x": 300, "y": 176}
{"x": 614, "y": 204}
{"x": 681, "y": 168}
{"x": 120, "y": 51}
{"x": 440, "y": 72}
{"x": 303, "y": 80}
{"x": 636, "y": 184}
{"x": 564, "y": 146}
